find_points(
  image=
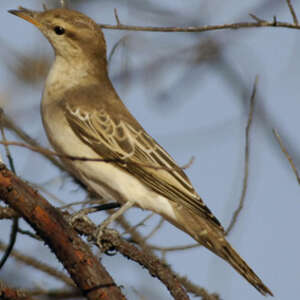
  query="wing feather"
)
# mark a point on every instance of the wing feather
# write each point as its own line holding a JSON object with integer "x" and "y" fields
{"x": 139, "y": 154}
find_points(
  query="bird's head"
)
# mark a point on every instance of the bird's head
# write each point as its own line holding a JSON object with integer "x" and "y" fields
{"x": 72, "y": 34}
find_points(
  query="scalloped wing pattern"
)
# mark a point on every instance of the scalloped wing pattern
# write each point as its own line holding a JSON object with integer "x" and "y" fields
{"x": 139, "y": 154}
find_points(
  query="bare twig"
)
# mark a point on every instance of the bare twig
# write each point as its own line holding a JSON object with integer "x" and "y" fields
{"x": 117, "y": 16}
{"x": 115, "y": 47}
{"x": 293, "y": 13}
{"x": 141, "y": 223}
{"x": 11, "y": 125}
{"x": 7, "y": 152}
{"x": 257, "y": 19}
{"x": 175, "y": 248}
{"x": 246, "y": 160}
{"x": 188, "y": 164}
{"x": 287, "y": 155}
{"x": 12, "y": 241}
{"x": 34, "y": 263}
{"x": 48, "y": 152}
{"x": 196, "y": 290}
{"x": 241, "y": 25}
{"x": 155, "y": 229}
{"x": 30, "y": 234}
{"x": 57, "y": 294}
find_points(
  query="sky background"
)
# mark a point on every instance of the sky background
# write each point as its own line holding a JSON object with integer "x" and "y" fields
{"x": 191, "y": 92}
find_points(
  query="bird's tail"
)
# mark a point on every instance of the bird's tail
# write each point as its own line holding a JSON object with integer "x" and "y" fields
{"x": 225, "y": 251}
{"x": 213, "y": 238}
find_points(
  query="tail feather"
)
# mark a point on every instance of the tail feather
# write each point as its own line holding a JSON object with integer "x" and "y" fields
{"x": 213, "y": 238}
{"x": 226, "y": 252}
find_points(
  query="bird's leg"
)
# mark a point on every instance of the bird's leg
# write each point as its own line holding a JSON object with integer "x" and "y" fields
{"x": 85, "y": 211}
{"x": 112, "y": 218}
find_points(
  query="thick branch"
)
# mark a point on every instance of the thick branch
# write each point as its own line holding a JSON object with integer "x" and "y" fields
{"x": 84, "y": 268}
{"x": 111, "y": 240}
{"x": 7, "y": 293}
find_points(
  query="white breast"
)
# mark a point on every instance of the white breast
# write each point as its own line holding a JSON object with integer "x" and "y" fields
{"x": 100, "y": 176}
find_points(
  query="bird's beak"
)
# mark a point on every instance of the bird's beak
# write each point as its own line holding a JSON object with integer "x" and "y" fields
{"x": 26, "y": 14}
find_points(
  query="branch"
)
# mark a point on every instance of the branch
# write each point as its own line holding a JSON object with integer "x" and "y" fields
{"x": 7, "y": 213}
{"x": 110, "y": 239}
{"x": 198, "y": 291}
{"x": 56, "y": 294}
{"x": 7, "y": 293}
{"x": 287, "y": 155}
{"x": 49, "y": 153}
{"x": 293, "y": 13}
{"x": 42, "y": 267}
{"x": 259, "y": 23}
{"x": 246, "y": 160}
{"x": 84, "y": 268}
{"x": 9, "y": 124}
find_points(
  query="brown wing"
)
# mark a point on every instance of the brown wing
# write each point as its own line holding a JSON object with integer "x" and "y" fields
{"x": 137, "y": 153}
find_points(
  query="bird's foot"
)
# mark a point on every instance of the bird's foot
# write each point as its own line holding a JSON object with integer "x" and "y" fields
{"x": 82, "y": 214}
{"x": 110, "y": 219}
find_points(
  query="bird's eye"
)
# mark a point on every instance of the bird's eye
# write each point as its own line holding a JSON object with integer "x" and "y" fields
{"x": 59, "y": 30}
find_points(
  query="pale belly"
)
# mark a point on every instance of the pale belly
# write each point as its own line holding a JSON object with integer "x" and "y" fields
{"x": 107, "y": 180}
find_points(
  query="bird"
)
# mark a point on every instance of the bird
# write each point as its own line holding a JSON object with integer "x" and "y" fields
{"x": 83, "y": 116}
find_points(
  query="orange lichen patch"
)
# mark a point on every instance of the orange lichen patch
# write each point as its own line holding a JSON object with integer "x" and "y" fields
{"x": 5, "y": 181}
{"x": 47, "y": 221}
{"x": 42, "y": 214}
{"x": 80, "y": 255}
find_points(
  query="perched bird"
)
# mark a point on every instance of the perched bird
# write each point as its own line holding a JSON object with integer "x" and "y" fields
{"x": 83, "y": 116}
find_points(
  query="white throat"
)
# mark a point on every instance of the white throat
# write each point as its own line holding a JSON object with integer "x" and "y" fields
{"x": 63, "y": 75}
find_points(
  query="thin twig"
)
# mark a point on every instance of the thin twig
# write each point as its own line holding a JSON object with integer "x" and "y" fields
{"x": 11, "y": 243}
{"x": 141, "y": 223}
{"x": 155, "y": 229}
{"x": 11, "y": 125}
{"x": 188, "y": 164}
{"x": 287, "y": 155}
{"x": 76, "y": 203}
{"x": 196, "y": 290}
{"x": 30, "y": 234}
{"x": 7, "y": 151}
{"x": 56, "y": 294}
{"x": 293, "y": 13}
{"x": 48, "y": 152}
{"x": 256, "y": 18}
{"x": 115, "y": 47}
{"x": 117, "y": 16}
{"x": 246, "y": 160}
{"x": 175, "y": 248}
{"x": 240, "y": 25}
{"x": 43, "y": 267}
